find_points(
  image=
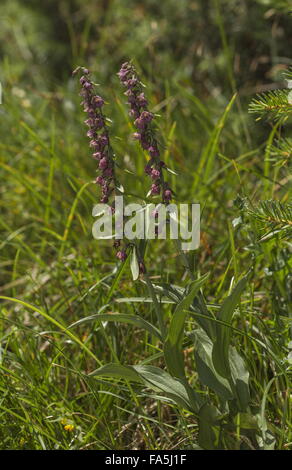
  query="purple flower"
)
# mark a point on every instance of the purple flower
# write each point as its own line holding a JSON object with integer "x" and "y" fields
{"x": 167, "y": 195}
{"x": 139, "y": 123}
{"x": 134, "y": 112}
{"x": 99, "y": 180}
{"x": 155, "y": 189}
{"x": 148, "y": 169}
{"x": 121, "y": 255}
{"x": 108, "y": 172}
{"x": 88, "y": 85}
{"x": 98, "y": 101}
{"x": 145, "y": 134}
{"x": 142, "y": 268}
{"x": 83, "y": 80}
{"x": 131, "y": 83}
{"x": 123, "y": 73}
{"x": 146, "y": 117}
{"x": 137, "y": 135}
{"x": 103, "y": 140}
{"x": 131, "y": 97}
{"x": 89, "y": 109}
{"x": 91, "y": 133}
{"x": 142, "y": 100}
{"x": 98, "y": 123}
{"x": 98, "y": 133}
{"x": 153, "y": 151}
{"x": 97, "y": 155}
{"x": 103, "y": 163}
{"x": 93, "y": 143}
{"x": 155, "y": 173}
{"x": 144, "y": 141}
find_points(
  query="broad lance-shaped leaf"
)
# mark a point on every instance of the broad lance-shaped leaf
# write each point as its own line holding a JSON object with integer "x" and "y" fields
{"x": 220, "y": 352}
{"x": 118, "y": 371}
{"x": 205, "y": 368}
{"x": 210, "y": 377}
{"x": 207, "y": 323}
{"x": 154, "y": 378}
{"x": 240, "y": 378}
{"x": 142, "y": 300}
{"x": 173, "y": 343}
{"x": 121, "y": 318}
{"x": 209, "y": 427}
{"x": 176, "y": 389}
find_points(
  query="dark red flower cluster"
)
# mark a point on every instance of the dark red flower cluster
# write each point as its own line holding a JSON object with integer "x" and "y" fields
{"x": 145, "y": 133}
{"x": 100, "y": 143}
{"x": 98, "y": 135}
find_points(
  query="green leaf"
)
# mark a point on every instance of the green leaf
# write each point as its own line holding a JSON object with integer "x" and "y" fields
{"x": 240, "y": 378}
{"x": 246, "y": 421}
{"x": 154, "y": 378}
{"x": 173, "y": 343}
{"x": 220, "y": 352}
{"x": 205, "y": 368}
{"x": 142, "y": 244}
{"x": 134, "y": 264}
{"x": 118, "y": 371}
{"x": 157, "y": 378}
{"x": 141, "y": 300}
{"x": 122, "y": 318}
{"x": 209, "y": 427}
{"x": 117, "y": 278}
{"x": 209, "y": 153}
{"x": 274, "y": 104}
{"x": 206, "y": 322}
{"x": 267, "y": 440}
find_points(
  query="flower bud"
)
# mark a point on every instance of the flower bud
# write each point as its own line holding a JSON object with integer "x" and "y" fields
{"x": 167, "y": 195}
{"x": 155, "y": 173}
{"x": 154, "y": 152}
{"x": 155, "y": 189}
{"x": 97, "y": 101}
{"x": 103, "y": 163}
{"x": 99, "y": 180}
{"x": 121, "y": 255}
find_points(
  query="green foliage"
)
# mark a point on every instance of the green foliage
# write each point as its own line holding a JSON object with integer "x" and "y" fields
{"x": 173, "y": 342}
{"x": 220, "y": 353}
{"x": 274, "y": 103}
{"x": 205, "y": 367}
{"x": 275, "y": 219}
{"x": 282, "y": 152}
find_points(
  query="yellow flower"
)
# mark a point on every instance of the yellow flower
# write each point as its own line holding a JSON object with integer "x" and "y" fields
{"x": 69, "y": 427}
